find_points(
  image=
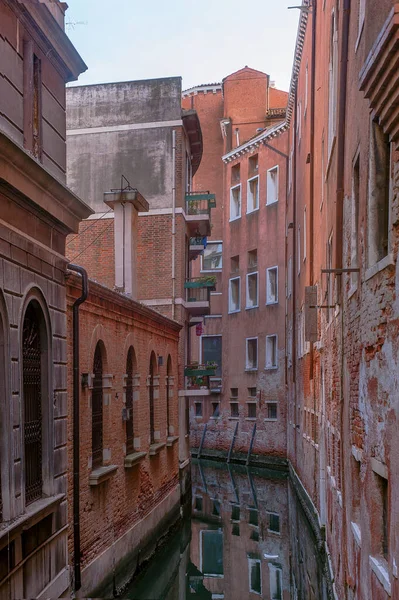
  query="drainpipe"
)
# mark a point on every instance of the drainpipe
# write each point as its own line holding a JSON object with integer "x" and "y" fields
{"x": 76, "y": 434}
{"x": 173, "y": 222}
{"x": 294, "y": 265}
{"x": 311, "y": 173}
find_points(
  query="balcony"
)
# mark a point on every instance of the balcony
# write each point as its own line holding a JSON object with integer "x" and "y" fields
{"x": 198, "y": 295}
{"x": 198, "y": 212}
{"x": 198, "y": 379}
{"x": 197, "y": 246}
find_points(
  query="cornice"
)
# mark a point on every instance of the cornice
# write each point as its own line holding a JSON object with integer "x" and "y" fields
{"x": 255, "y": 142}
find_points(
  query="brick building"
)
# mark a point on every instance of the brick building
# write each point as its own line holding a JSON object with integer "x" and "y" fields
{"x": 244, "y": 161}
{"x": 37, "y": 211}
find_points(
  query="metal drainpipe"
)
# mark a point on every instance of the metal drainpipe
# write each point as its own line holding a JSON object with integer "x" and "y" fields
{"x": 294, "y": 265}
{"x": 76, "y": 433}
{"x": 173, "y": 222}
{"x": 311, "y": 174}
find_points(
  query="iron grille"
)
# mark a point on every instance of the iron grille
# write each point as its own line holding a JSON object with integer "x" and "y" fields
{"x": 97, "y": 411}
{"x": 152, "y": 419}
{"x": 32, "y": 389}
{"x": 129, "y": 403}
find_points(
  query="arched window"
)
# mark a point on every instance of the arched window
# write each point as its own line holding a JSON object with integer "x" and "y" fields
{"x": 97, "y": 409}
{"x": 130, "y": 368}
{"x": 151, "y": 398}
{"x": 33, "y": 357}
{"x": 168, "y": 376}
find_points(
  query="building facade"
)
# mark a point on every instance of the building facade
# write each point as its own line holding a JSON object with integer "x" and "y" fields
{"x": 37, "y": 212}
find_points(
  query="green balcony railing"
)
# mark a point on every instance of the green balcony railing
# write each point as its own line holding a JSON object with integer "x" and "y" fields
{"x": 201, "y": 282}
{"x": 195, "y": 370}
{"x": 199, "y": 203}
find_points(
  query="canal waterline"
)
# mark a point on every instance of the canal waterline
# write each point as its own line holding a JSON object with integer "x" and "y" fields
{"x": 248, "y": 537}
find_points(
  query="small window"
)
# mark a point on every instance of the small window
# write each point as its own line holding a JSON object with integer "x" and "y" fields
{"x": 252, "y": 290}
{"x": 255, "y": 579}
{"x": 252, "y": 354}
{"x": 272, "y": 186}
{"x": 272, "y": 285}
{"x": 252, "y": 194}
{"x": 235, "y": 174}
{"x": 305, "y": 229}
{"x": 235, "y": 264}
{"x": 252, "y": 259}
{"x": 379, "y": 192}
{"x": 252, "y": 392}
{"x": 289, "y": 277}
{"x": 271, "y": 351}
{"x": 234, "y": 392}
{"x": 274, "y": 523}
{"x": 212, "y": 257}
{"x": 235, "y": 202}
{"x": 254, "y": 535}
{"x": 355, "y": 218}
{"x": 306, "y": 88}
{"x": 235, "y": 530}
{"x": 235, "y": 513}
{"x": 275, "y": 579}
{"x": 234, "y": 411}
{"x": 251, "y": 410}
{"x": 253, "y": 517}
{"x": 272, "y": 411}
{"x": 198, "y": 409}
{"x": 215, "y": 410}
{"x": 216, "y": 508}
{"x": 253, "y": 165}
{"x": 234, "y": 295}
{"x": 198, "y": 503}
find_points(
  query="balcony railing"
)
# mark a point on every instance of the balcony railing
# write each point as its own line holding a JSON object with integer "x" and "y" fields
{"x": 200, "y": 203}
{"x": 201, "y": 282}
{"x": 195, "y": 370}
{"x": 199, "y": 289}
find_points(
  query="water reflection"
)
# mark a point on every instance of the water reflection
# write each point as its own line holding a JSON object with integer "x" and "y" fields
{"x": 248, "y": 538}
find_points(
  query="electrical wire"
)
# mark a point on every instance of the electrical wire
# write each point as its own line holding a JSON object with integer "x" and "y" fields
{"x": 92, "y": 242}
{"x": 89, "y": 226}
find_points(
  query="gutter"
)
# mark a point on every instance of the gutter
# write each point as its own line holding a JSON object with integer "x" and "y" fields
{"x": 76, "y": 428}
{"x": 173, "y": 223}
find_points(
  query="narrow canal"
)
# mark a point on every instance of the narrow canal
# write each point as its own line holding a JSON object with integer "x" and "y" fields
{"x": 248, "y": 537}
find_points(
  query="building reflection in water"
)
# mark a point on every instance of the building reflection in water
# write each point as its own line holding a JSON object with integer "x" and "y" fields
{"x": 249, "y": 537}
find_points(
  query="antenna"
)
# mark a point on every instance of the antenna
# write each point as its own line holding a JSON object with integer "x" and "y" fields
{"x": 72, "y": 24}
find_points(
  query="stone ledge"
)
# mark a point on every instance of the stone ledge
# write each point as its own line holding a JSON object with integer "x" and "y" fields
{"x": 34, "y": 512}
{"x": 134, "y": 459}
{"x": 385, "y": 262}
{"x": 101, "y": 474}
{"x": 379, "y": 567}
{"x": 357, "y": 534}
{"x": 171, "y": 440}
{"x": 156, "y": 448}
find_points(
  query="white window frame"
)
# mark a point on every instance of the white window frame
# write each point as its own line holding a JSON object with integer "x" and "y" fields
{"x": 254, "y": 208}
{"x": 234, "y": 187}
{"x": 219, "y": 270}
{"x": 252, "y": 561}
{"x": 268, "y": 365}
{"x": 268, "y": 179}
{"x": 248, "y": 368}
{"x": 235, "y": 310}
{"x": 247, "y": 307}
{"x": 273, "y": 569}
{"x": 270, "y": 302}
{"x": 362, "y": 16}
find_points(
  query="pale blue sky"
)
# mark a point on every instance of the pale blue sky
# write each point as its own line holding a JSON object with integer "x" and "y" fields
{"x": 203, "y": 41}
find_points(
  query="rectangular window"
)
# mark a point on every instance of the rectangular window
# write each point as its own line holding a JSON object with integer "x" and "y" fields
{"x": 37, "y": 108}
{"x": 212, "y": 257}
{"x": 355, "y": 218}
{"x": 253, "y": 165}
{"x": 272, "y": 285}
{"x": 362, "y": 14}
{"x": 253, "y": 517}
{"x": 305, "y": 229}
{"x": 379, "y": 194}
{"x": 235, "y": 174}
{"x": 252, "y": 392}
{"x": 251, "y": 410}
{"x": 234, "y": 392}
{"x": 329, "y": 278}
{"x": 234, "y": 294}
{"x": 290, "y": 165}
{"x": 211, "y": 348}
{"x": 272, "y": 411}
{"x": 234, "y": 410}
{"x": 216, "y": 508}
{"x": 323, "y": 176}
{"x": 332, "y": 84}
{"x": 272, "y": 185}
{"x": 252, "y": 354}
{"x": 253, "y": 194}
{"x": 252, "y": 290}
{"x": 275, "y": 579}
{"x": 198, "y": 409}
{"x": 289, "y": 277}
{"x": 198, "y": 503}
{"x": 271, "y": 351}
{"x": 235, "y": 264}
{"x": 255, "y": 578}
{"x": 299, "y": 249}
{"x": 306, "y": 88}
{"x": 274, "y": 522}
{"x": 235, "y": 513}
{"x": 215, "y": 410}
{"x": 235, "y": 202}
{"x": 252, "y": 259}
{"x": 211, "y": 559}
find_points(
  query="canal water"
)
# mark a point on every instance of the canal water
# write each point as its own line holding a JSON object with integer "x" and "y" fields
{"x": 248, "y": 538}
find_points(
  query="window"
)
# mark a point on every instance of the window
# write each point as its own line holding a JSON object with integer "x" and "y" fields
{"x": 215, "y": 410}
{"x": 252, "y": 290}
{"x": 129, "y": 402}
{"x": 252, "y": 354}
{"x": 216, "y": 508}
{"x": 235, "y": 174}
{"x": 198, "y": 409}
{"x": 37, "y": 108}
{"x": 234, "y": 411}
{"x": 304, "y": 234}
{"x": 323, "y": 175}
{"x": 271, "y": 351}
{"x": 299, "y": 116}
{"x": 235, "y": 513}
{"x": 289, "y": 277}
{"x": 274, "y": 522}
{"x": 290, "y": 165}
{"x": 169, "y": 393}
{"x": 235, "y": 264}
{"x": 332, "y": 84}
{"x": 234, "y": 295}
{"x": 211, "y": 559}
{"x": 362, "y": 14}
{"x": 198, "y": 503}
{"x": 299, "y": 249}
{"x": 32, "y": 349}
{"x": 253, "y": 517}
{"x": 252, "y": 259}
{"x": 251, "y": 410}
{"x": 97, "y": 409}
{"x": 355, "y": 218}
{"x": 379, "y": 193}
{"x": 235, "y": 202}
{"x": 212, "y": 257}
{"x": 253, "y": 194}
{"x": 329, "y": 278}
{"x": 275, "y": 579}
{"x": 235, "y": 530}
{"x": 151, "y": 397}
{"x": 272, "y": 285}
{"x": 212, "y": 351}
{"x": 188, "y": 174}
{"x": 272, "y": 411}
{"x": 272, "y": 185}
{"x": 306, "y": 87}
{"x": 383, "y": 514}
{"x": 255, "y": 579}
{"x": 252, "y": 392}
{"x": 253, "y": 165}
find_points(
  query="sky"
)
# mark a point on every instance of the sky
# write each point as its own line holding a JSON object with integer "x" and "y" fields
{"x": 202, "y": 41}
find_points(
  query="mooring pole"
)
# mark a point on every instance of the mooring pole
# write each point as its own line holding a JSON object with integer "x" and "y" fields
{"x": 232, "y": 443}
{"x": 202, "y": 440}
{"x": 251, "y": 444}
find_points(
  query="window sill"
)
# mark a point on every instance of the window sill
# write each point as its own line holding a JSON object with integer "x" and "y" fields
{"x": 98, "y": 476}
{"x": 357, "y": 534}
{"x": 198, "y": 417}
{"x": 382, "y": 264}
{"x": 234, "y": 418}
{"x": 234, "y": 312}
{"x": 379, "y": 566}
{"x": 250, "y": 212}
{"x": 33, "y": 513}
{"x": 250, "y": 418}
{"x": 271, "y": 368}
{"x": 156, "y": 448}
{"x": 272, "y": 303}
{"x": 134, "y": 459}
{"x": 251, "y": 307}
{"x": 352, "y": 291}
{"x": 171, "y": 440}
{"x": 271, "y": 420}
{"x": 251, "y": 369}
{"x": 235, "y": 219}
{"x": 272, "y": 203}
